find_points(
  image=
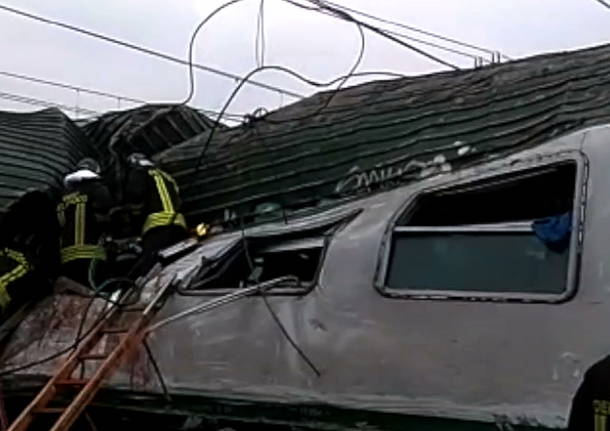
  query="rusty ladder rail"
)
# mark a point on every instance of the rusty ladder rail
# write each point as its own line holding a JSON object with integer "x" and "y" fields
{"x": 88, "y": 387}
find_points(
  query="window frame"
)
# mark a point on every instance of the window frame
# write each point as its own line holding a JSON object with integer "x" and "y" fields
{"x": 335, "y": 223}
{"x": 522, "y": 165}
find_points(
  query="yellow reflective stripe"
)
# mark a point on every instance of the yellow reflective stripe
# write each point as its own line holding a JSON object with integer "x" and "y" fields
{"x": 600, "y": 422}
{"x": 19, "y": 271}
{"x": 166, "y": 200}
{"x": 79, "y": 200}
{"x": 163, "y": 219}
{"x": 79, "y": 224}
{"x": 73, "y": 199}
{"x": 15, "y": 255}
{"x": 170, "y": 179}
{"x": 82, "y": 252}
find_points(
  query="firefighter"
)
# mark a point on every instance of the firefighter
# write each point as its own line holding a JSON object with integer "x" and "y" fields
{"x": 15, "y": 269}
{"x": 153, "y": 196}
{"x": 82, "y": 215}
{"x": 29, "y": 255}
{"x": 591, "y": 404}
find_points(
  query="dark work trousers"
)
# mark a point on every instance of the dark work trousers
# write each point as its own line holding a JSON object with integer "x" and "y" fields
{"x": 153, "y": 242}
{"x": 27, "y": 289}
{"x": 78, "y": 270}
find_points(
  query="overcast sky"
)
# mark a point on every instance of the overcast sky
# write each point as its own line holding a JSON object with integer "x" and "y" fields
{"x": 315, "y": 45}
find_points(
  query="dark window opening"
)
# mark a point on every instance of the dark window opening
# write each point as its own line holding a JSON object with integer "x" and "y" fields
{"x": 295, "y": 258}
{"x": 528, "y": 195}
{"x": 506, "y": 234}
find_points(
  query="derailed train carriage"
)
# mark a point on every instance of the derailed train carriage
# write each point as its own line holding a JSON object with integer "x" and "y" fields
{"x": 469, "y": 294}
{"x": 463, "y": 317}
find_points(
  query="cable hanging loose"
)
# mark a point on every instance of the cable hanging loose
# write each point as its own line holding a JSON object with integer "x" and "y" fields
{"x": 604, "y": 3}
{"x": 141, "y": 49}
{"x": 192, "y": 46}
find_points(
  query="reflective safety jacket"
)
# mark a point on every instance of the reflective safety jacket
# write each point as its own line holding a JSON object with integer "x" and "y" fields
{"x": 155, "y": 194}
{"x": 13, "y": 266}
{"x": 591, "y": 404}
{"x": 78, "y": 239}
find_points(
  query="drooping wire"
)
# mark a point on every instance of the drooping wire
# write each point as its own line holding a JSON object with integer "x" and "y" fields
{"x": 192, "y": 46}
{"x": 13, "y": 370}
{"x": 293, "y": 74}
{"x": 157, "y": 369}
{"x": 319, "y": 7}
{"x": 141, "y": 49}
{"x": 97, "y": 290}
{"x": 342, "y": 80}
{"x": 260, "y": 42}
{"x": 80, "y": 336}
{"x": 272, "y": 312}
{"x": 604, "y": 3}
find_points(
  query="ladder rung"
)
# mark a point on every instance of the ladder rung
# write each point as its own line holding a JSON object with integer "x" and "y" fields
{"x": 114, "y": 330}
{"x": 72, "y": 382}
{"x": 93, "y": 356}
{"x": 55, "y": 410}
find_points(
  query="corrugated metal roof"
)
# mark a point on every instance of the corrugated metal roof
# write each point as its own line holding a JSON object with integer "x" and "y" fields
{"x": 148, "y": 129}
{"x": 382, "y": 133}
{"x": 37, "y": 150}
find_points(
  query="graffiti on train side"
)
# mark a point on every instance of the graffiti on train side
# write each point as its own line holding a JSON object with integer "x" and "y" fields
{"x": 357, "y": 179}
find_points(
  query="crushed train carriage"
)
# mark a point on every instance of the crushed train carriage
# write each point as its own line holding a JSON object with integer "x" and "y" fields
{"x": 438, "y": 246}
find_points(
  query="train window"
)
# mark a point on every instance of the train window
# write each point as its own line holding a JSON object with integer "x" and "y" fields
{"x": 508, "y": 236}
{"x": 294, "y": 260}
{"x": 287, "y": 256}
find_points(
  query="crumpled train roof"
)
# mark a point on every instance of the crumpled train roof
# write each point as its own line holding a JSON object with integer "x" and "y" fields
{"x": 387, "y": 132}
{"x": 37, "y": 150}
{"x": 148, "y": 129}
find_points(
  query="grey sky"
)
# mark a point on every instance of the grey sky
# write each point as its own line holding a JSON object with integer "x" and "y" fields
{"x": 317, "y": 46}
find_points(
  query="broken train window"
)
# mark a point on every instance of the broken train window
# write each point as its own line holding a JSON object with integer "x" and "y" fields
{"x": 512, "y": 235}
{"x": 293, "y": 258}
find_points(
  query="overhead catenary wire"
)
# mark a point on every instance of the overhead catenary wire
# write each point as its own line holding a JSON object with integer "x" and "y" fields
{"x": 69, "y": 86}
{"x": 144, "y": 50}
{"x": 437, "y": 46}
{"x": 419, "y": 30}
{"x": 87, "y": 90}
{"x": 433, "y": 44}
{"x": 27, "y": 100}
{"x": 604, "y": 3}
{"x": 340, "y": 14}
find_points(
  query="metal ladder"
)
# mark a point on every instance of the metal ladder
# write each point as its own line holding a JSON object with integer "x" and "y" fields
{"x": 62, "y": 381}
